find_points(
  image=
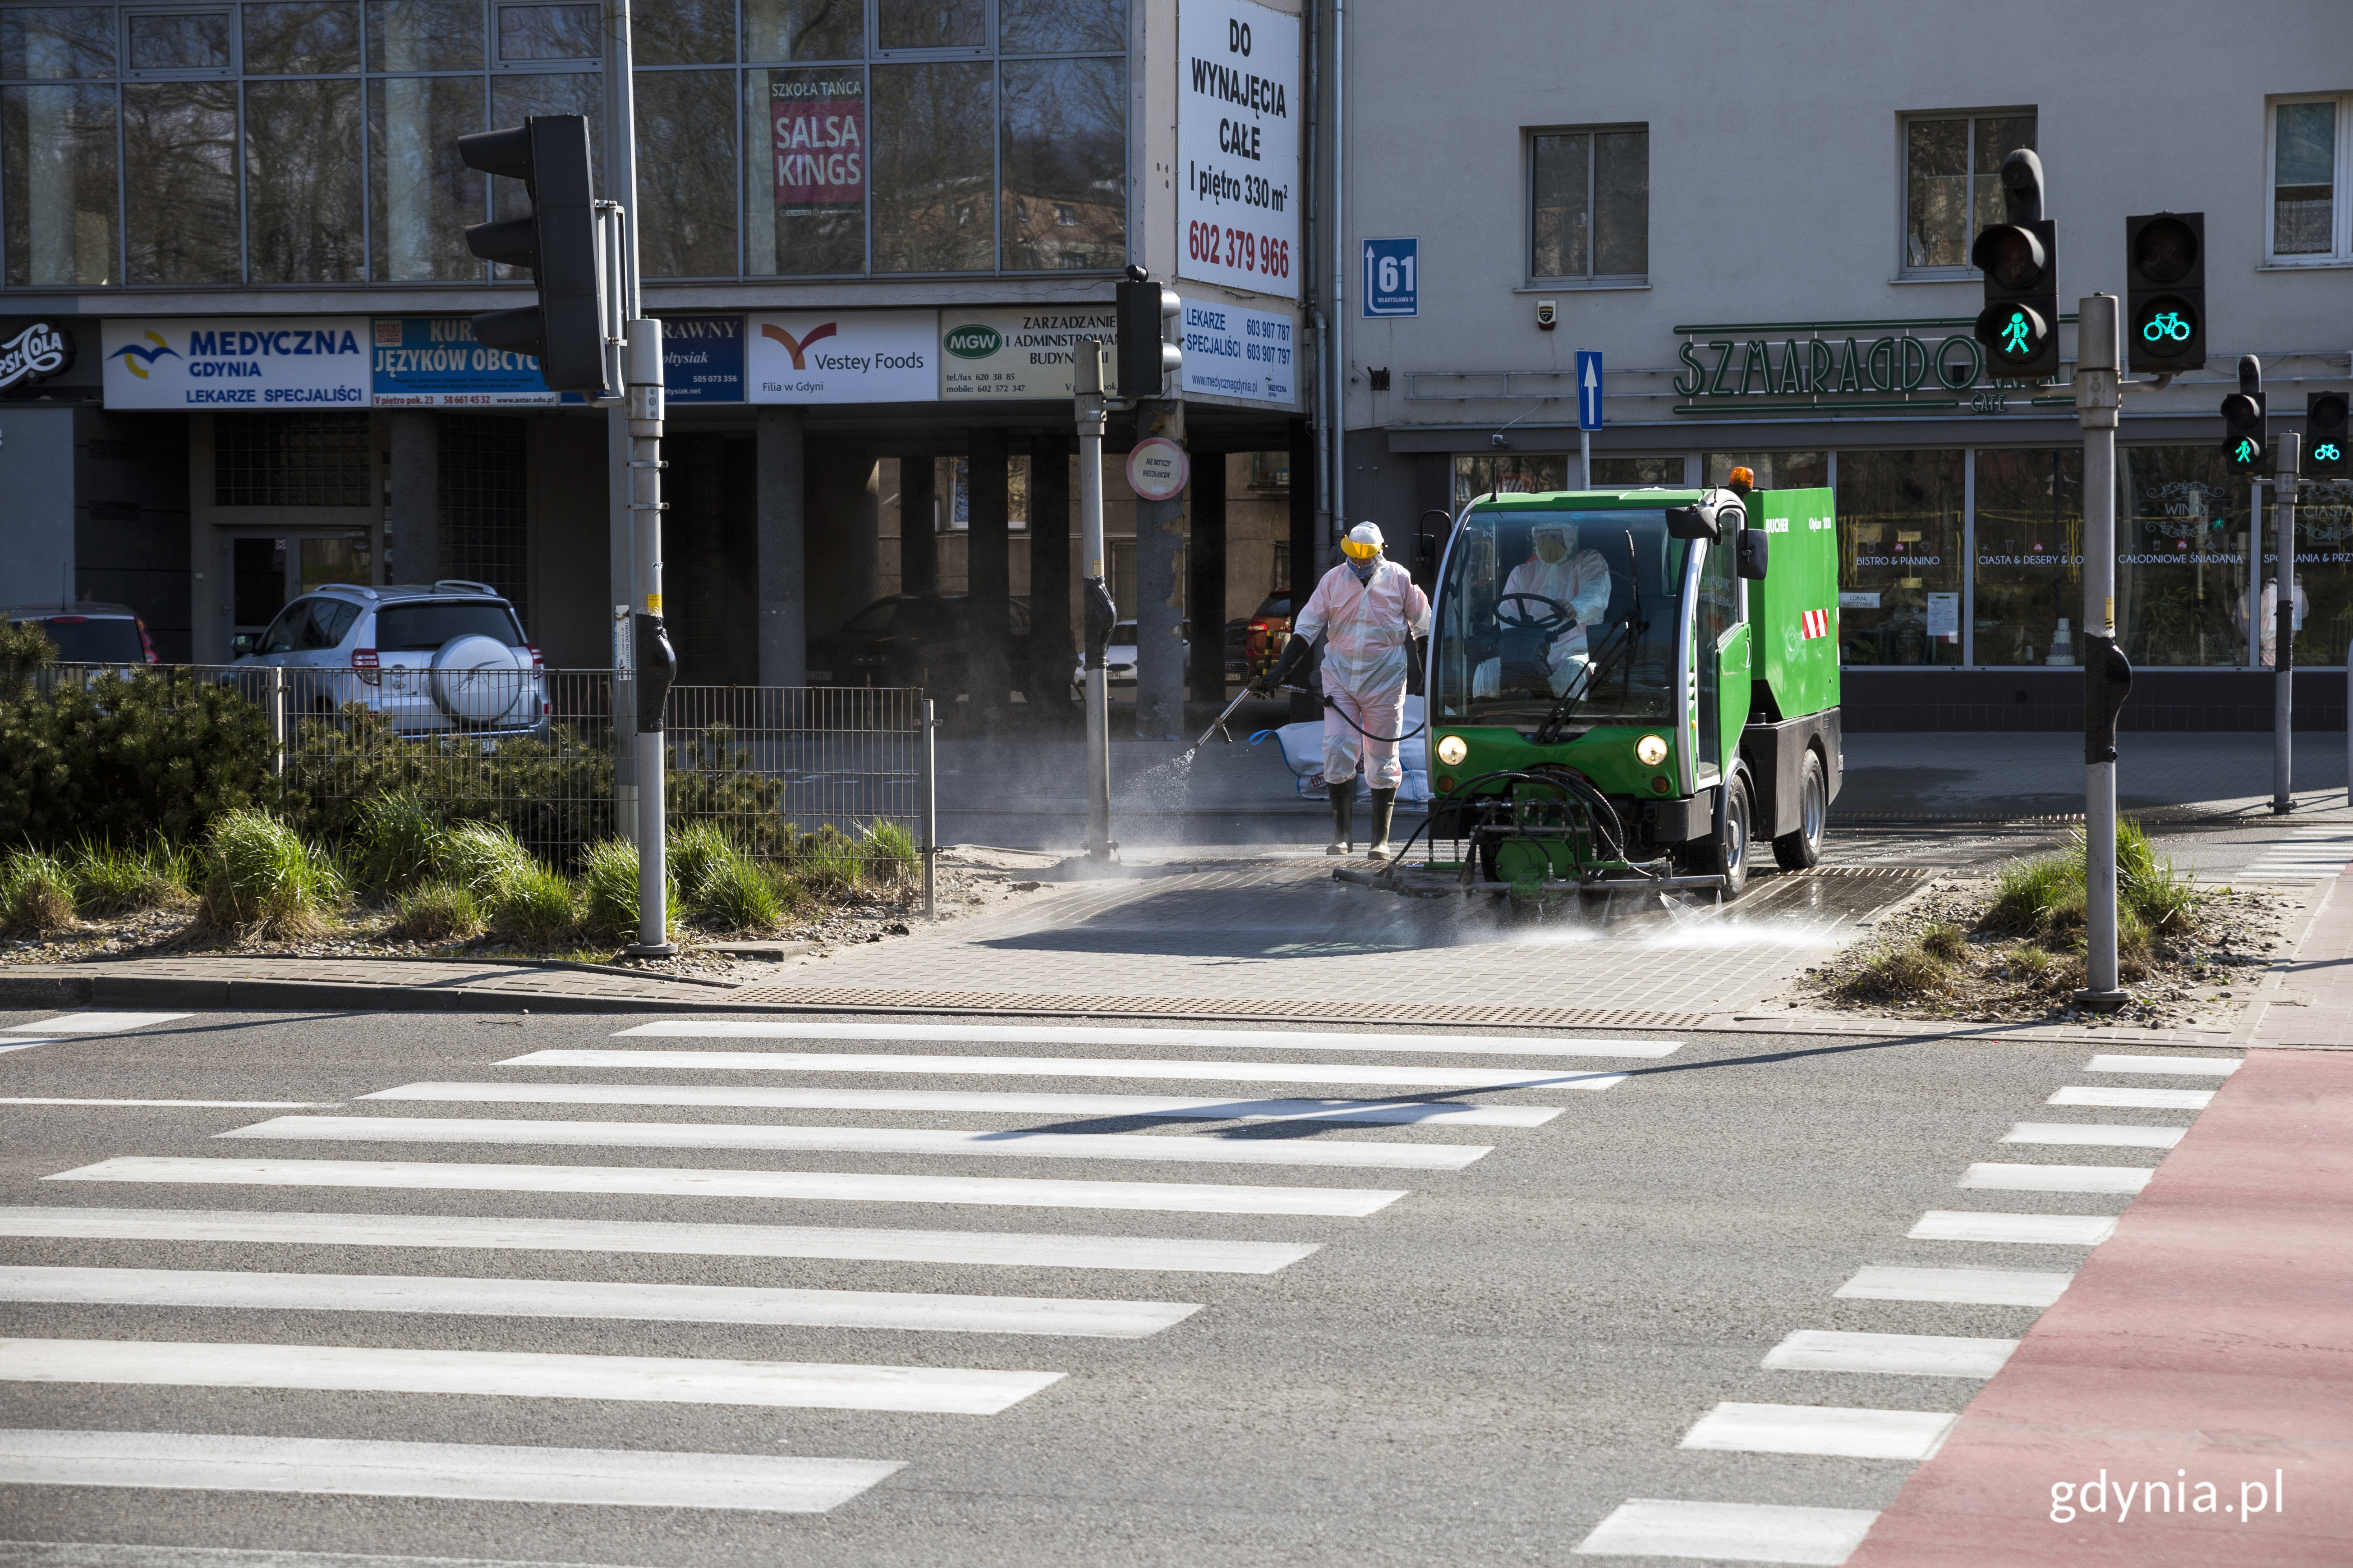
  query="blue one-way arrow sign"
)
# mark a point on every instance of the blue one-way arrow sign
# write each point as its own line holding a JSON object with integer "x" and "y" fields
{"x": 1588, "y": 390}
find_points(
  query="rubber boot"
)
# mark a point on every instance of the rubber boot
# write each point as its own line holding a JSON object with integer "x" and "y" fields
{"x": 1384, "y": 808}
{"x": 1344, "y": 806}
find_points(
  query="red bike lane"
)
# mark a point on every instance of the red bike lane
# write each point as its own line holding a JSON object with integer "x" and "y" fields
{"x": 2189, "y": 1399}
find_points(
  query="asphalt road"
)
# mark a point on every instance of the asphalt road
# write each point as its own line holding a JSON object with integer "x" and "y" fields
{"x": 1480, "y": 1370}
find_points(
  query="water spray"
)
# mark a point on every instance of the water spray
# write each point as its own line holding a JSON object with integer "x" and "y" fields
{"x": 1218, "y": 727}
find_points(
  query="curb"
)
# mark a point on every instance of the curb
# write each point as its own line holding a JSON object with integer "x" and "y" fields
{"x": 309, "y": 995}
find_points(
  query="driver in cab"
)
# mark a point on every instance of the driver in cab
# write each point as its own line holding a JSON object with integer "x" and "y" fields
{"x": 1574, "y": 585}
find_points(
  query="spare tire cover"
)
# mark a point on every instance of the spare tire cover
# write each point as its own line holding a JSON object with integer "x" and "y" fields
{"x": 477, "y": 680}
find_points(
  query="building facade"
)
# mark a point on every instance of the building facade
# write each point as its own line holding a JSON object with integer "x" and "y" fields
{"x": 1760, "y": 217}
{"x": 874, "y": 226}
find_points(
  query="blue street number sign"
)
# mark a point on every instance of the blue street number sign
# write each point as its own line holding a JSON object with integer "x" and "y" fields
{"x": 1588, "y": 390}
{"x": 1392, "y": 277}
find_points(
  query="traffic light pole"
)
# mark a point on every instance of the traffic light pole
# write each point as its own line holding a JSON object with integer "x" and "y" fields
{"x": 2284, "y": 626}
{"x": 1088, "y": 406}
{"x": 2099, "y": 397}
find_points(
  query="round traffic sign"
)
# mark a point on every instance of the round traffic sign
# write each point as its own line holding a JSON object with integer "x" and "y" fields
{"x": 1158, "y": 468}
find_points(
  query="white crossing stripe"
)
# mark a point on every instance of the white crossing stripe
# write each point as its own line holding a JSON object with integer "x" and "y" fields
{"x": 2045, "y": 1229}
{"x": 822, "y": 1187}
{"x": 985, "y": 1248}
{"x": 1971, "y": 1287}
{"x": 27, "y": 1044}
{"x": 592, "y": 1299}
{"x": 1908, "y": 1355}
{"x": 1742, "y": 1531}
{"x": 2134, "y": 1099}
{"x": 2307, "y": 855}
{"x": 93, "y": 1023}
{"x": 1191, "y": 1039}
{"x": 2094, "y": 1134}
{"x": 1075, "y": 1067}
{"x": 483, "y": 1472}
{"x": 1842, "y": 1431}
{"x": 1207, "y": 1108}
{"x": 2220, "y": 1067}
{"x": 2000, "y": 1178}
{"x": 863, "y": 1141}
{"x": 531, "y": 1374}
{"x": 209, "y": 1104}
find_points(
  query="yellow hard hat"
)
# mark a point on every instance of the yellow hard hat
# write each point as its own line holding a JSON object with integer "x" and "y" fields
{"x": 1364, "y": 541}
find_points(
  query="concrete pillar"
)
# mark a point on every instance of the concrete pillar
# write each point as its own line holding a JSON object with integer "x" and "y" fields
{"x": 1052, "y": 649}
{"x": 1205, "y": 572}
{"x": 415, "y": 501}
{"x": 919, "y": 545}
{"x": 781, "y": 506}
{"x": 1302, "y": 542}
{"x": 989, "y": 572}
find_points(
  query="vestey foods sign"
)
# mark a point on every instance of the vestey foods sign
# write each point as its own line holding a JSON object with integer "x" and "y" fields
{"x": 842, "y": 356}
{"x": 247, "y": 362}
{"x": 1800, "y": 367}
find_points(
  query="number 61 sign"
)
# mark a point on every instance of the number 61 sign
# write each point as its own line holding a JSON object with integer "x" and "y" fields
{"x": 1392, "y": 285}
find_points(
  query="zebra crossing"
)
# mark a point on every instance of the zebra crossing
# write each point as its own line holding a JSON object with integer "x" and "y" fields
{"x": 1781, "y": 1532}
{"x": 728, "y": 1104}
{"x": 2311, "y": 852}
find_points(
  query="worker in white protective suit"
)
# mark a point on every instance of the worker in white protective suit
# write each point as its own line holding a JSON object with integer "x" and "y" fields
{"x": 1368, "y": 612}
{"x": 1575, "y": 580}
{"x": 2269, "y": 625}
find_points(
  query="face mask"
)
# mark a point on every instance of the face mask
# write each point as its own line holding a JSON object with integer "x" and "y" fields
{"x": 1364, "y": 569}
{"x": 1551, "y": 548}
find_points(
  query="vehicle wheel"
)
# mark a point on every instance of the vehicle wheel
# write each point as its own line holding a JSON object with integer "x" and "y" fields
{"x": 1800, "y": 849}
{"x": 1731, "y": 856}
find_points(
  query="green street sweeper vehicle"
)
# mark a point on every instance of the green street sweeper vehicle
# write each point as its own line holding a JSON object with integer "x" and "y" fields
{"x": 1629, "y": 689}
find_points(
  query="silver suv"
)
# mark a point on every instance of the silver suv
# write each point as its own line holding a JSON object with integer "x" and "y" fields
{"x": 450, "y": 656}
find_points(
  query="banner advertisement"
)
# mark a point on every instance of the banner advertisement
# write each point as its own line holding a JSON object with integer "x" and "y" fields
{"x": 1238, "y": 145}
{"x": 241, "y": 362}
{"x": 702, "y": 359}
{"x": 1231, "y": 351}
{"x": 434, "y": 362}
{"x": 818, "y": 134}
{"x": 1001, "y": 355}
{"x": 842, "y": 356}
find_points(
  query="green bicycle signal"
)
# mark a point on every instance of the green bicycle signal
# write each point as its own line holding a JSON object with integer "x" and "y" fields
{"x": 2328, "y": 452}
{"x": 2165, "y": 325}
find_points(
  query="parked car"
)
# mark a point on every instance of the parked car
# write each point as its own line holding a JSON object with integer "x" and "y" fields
{"x": 911, "y": 639}
{"x": 1119, "y": 661}
{"x": 1237, "y": 665}
{"x": 433, "y": 658}
{"x": 91, "y": 633}
{"x": 1269, "y": 628}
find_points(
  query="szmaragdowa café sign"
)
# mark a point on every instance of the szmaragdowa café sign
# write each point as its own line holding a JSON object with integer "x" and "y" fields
{"x": 1818, "y": 367}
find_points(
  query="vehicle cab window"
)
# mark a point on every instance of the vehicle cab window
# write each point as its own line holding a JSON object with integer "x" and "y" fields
{"x": 285, "y": 633}
{"x": 325, "y": 625}
{"x": 1719, "y": 594}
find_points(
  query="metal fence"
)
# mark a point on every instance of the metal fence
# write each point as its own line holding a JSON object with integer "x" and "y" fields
{"x": 788, "y": 772}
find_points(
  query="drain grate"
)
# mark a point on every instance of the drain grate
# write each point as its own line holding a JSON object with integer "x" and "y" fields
{"x": 836, "y": 998}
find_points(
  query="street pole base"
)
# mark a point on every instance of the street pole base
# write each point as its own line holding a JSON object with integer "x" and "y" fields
{"x": 2101, "y": 1001}
{"x": 2281, "y": 808}
{"x": 650, "y": 950}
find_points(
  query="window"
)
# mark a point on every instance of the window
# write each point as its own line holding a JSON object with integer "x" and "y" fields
{"x": 485, "y": 521}
{"x": 1900, "y": 554}
{"x": 1589, "y": 205}
{"x": 290, "y": 460}
{"x": 2030, "y": 560}
{"x": 1480, "y": 476}
{"x": 1635, "y": 473}
{"x": 1772, "y": 471}
{"x": 2311, "y": 217}
{"x": 1952, "y": 186}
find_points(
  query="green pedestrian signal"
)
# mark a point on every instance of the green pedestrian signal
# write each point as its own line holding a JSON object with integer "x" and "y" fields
{"x": 2019, "y": 327}
{"x": 2246, "y": 452}
{"x": 2246, "y": 420}
{"x": 2017, "y": 334}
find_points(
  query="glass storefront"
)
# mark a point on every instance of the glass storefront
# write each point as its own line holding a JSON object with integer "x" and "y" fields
{"x": 1964, "y": 557}
{"x": 314, "y": 141}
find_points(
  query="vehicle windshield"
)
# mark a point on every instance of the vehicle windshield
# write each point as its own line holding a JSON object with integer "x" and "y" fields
{"x": 1540, "y": 605}
{"x": 94, "y": 639}
{"x": 875, "y": 617}
{"x": 423, "y": 628}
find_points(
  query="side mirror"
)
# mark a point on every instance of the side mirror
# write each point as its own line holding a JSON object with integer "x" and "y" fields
{"x": 1694, "y": 522}
{"x": 241, "y": 645}
{"x": 1753, "y": 553}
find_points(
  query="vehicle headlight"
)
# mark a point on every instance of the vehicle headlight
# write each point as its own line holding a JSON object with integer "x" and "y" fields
{"x": 1652, "y": 750}
{"x": 1451, "y": 751}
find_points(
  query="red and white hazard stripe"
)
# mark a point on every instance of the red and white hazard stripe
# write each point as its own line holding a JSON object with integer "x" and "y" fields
{"x": 1817, "y": 623}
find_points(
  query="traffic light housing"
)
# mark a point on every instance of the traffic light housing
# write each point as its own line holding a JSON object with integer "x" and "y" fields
{"x": 557, "y": 243}
{"x": 1149, "y": 335}
{"x": 2020, "y": 258}
{"x": 2246, "y": 420}
{"x": 2165, "y": 292}
{"x": 2325, "y": 437}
